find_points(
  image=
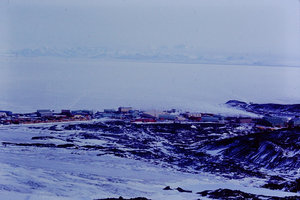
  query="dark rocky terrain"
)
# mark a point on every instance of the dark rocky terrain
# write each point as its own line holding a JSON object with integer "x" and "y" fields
{"x": 121, "y": 198}
{"x": 270, "y": 108}
{"x": 225, "y": 194}
{"x": 230, "y": 150}
{"x": 228, "y": 194}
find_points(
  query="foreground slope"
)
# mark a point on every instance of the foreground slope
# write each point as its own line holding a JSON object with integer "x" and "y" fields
{"x": 114, "y": 158}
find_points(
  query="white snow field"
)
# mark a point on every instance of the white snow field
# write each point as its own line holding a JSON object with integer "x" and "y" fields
{"x": 33, "y": 173}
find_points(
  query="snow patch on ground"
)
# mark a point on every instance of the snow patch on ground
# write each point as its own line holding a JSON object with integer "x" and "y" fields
{"x": 58, "y": 173}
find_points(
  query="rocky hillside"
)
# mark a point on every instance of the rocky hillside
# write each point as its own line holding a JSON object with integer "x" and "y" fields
{"x": 233, "y": 152}
{"x": 270, "y": 108}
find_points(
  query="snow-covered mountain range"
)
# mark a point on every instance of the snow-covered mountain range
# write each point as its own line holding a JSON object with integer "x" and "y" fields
{"x": 178, "y": 54}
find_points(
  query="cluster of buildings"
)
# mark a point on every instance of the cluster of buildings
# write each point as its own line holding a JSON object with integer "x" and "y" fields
{"x": 44, "y": 116}
{"x": 137, "y": 116}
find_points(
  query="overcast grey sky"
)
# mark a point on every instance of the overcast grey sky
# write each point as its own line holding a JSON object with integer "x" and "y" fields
{"x": 260, "y": 27}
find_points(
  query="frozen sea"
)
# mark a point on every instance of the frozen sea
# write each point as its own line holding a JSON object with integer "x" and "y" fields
{"x": 27, "y": 84}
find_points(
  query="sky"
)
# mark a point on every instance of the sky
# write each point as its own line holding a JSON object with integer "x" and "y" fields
{"x": 195, "y": 27}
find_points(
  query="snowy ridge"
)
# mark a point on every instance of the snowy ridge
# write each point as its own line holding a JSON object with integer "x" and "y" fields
{"x": 269, "y": 108}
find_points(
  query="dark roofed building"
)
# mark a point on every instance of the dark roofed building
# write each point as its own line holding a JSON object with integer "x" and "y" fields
{"x": 167, "y": 117}
{"x": 66, "y": 112}
{"x": 82, "y": 112}
{"x": 210, "y": 119}
{"x": 276, "y": 121}
{"x": 109, "y": 111}
{"x": 44, "y": 113}
{"x": 124, "y": 109}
